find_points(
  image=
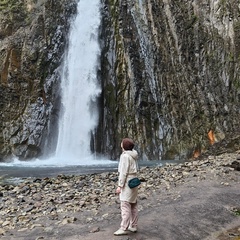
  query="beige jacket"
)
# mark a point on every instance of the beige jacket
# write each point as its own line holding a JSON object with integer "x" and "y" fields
{"x": 127, "y": 169}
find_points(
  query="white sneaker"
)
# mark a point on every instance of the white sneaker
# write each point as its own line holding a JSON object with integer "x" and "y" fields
{"x": 120, "y": 232}
{"x": 132, "y": 229}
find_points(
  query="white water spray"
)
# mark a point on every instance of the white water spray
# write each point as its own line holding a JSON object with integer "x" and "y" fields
{"x": 80, "y": 89}
{"x": 79, "y": 85}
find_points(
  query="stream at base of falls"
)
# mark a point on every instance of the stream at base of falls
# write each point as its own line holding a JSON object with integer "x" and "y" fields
{"x": 14, "y": 174}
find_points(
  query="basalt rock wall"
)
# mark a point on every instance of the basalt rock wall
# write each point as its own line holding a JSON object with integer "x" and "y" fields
{"x": 170, "y": 76}
{"x": 33, "y": 36}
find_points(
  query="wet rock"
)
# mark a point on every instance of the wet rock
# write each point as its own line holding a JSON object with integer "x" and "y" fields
{"x": 28, "y": 39}
{"x": 172, "y": 107}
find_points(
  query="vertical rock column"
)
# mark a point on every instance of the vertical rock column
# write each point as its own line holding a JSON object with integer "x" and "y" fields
{"x": 33, "y": 37}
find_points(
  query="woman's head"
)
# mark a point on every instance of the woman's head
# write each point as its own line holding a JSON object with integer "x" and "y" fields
{"x": 127, "y": 144}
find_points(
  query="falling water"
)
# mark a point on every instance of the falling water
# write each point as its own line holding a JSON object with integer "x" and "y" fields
{"x": 79, "y": 84}
{"x": 79, "y": 91}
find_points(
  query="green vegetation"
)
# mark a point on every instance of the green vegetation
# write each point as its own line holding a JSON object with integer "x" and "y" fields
{"x": 191, "y": 22}
{"x": 14, "y": 13}
{"x": 10, "y": 5}
{"x": 236, "y": 211}
{"x": 14, "y": 9}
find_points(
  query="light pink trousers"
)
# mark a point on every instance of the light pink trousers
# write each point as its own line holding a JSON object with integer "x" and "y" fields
{"x": 129, "y": 212}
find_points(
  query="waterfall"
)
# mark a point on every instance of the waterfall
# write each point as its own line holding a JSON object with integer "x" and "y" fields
{"x": 79, "y": 84}
{"x": 79, "y": 92}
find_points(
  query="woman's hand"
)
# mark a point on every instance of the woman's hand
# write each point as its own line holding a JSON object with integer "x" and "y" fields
{"x": 118, "y": 190}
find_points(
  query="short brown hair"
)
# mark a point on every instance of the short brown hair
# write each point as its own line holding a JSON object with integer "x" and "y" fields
{"x": 127, "y": 144}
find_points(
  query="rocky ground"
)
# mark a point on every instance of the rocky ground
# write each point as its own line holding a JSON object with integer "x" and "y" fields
{"x": 194, "y": 200}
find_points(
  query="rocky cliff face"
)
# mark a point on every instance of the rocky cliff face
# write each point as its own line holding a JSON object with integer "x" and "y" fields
{"x": 170, "y": 75}
{"x": 33, "y": 36}
{"x": 169, "y": 72}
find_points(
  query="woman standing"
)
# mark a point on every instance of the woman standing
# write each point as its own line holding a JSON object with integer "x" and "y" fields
{"x": 127, "y": 169}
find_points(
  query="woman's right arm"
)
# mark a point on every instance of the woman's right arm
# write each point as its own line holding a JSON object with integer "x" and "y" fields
{"x": 123, "y": 170}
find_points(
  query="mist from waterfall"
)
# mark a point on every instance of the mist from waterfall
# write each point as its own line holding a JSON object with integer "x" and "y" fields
{"x": 79, "y": 84}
